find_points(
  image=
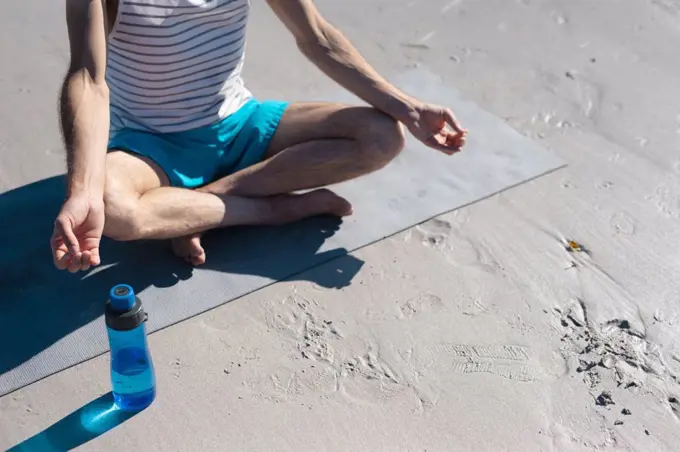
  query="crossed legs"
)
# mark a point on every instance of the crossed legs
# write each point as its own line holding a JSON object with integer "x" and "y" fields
{"x": 316, "y": 144}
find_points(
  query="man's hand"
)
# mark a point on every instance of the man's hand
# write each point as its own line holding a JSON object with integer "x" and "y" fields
{"x": 437, "y": 128}
{"x": 77, "y": 233}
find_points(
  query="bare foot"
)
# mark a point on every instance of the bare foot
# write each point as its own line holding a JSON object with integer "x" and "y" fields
{"x": 189, "y": 248}
{"x": 324, "y": 201}
{"x": 317, "y": 202}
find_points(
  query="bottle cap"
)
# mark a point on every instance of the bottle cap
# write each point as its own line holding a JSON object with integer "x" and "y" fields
{"x": 124, "y": 310}
{"x": 122, "y": 297}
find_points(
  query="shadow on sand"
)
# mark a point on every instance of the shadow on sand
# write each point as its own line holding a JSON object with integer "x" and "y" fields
{"x": 40, "y": 304}
{"x": 81, "y": 426}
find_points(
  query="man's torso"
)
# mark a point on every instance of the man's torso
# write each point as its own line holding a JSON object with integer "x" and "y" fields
{"x": 175, "y": 65}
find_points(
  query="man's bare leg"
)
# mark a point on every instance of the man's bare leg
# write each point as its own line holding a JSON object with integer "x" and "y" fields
{"x": 315, "y": 145}
{"x": 139, "y": 204}
{"x": 318, "y": 144}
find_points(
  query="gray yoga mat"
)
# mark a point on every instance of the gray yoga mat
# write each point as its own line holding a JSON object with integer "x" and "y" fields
{"x": 51, "y": 320}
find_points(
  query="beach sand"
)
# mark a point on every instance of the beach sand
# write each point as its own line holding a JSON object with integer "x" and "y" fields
{"x": 530, "y": 321}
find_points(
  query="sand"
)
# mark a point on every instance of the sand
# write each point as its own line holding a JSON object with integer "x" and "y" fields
{"x": 482, "y": 330}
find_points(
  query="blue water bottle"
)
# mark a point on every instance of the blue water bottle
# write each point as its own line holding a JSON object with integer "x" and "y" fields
{"x": 132, "y": 373}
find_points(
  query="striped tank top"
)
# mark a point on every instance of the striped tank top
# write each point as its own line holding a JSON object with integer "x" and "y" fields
{"x": 175, "y": 65}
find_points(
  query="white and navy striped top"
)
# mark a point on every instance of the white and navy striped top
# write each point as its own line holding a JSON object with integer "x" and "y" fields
{"x": 175, "y": 65}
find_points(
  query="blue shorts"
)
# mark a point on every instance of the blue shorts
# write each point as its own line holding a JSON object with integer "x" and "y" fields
{"x": 197, "y": 157}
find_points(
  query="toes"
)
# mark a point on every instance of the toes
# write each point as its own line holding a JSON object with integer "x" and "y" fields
{"x": 197, "y": 259}
{"x": 331, "y": 203}
{"x": 190, "y": 250}
{"x": 344, "y": 208}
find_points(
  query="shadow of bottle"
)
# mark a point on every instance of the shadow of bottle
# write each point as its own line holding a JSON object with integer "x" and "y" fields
{"x": 83, "y": 425}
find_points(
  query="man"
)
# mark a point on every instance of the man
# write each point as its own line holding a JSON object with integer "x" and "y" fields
{"x": 164, "y": 141}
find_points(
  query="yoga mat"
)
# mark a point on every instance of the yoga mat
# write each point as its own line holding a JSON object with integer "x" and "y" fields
{"x": 51, "y": 320}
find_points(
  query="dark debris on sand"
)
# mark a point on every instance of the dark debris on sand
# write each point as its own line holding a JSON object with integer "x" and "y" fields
{"x": 604, "y": 399}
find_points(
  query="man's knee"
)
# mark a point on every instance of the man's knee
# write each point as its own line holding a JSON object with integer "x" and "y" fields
{"x": 382, "y": 138}
{"x": 123, "y": 216}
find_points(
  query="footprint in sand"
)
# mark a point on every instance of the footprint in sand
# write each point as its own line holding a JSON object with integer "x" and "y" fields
{"x": 622, "y": 223}
{"x": 288, "y": 316}
{"x": 284, "y": 384}
{"x": 589, "y": 96}
{"x": 367, "y": 380}
{"x": 316, "y": 337}
{"x": 464, "y": 252}
{"x": 297, "y": 319}
{"x": 675, "y": 405}
{"x": 279, "y": 386}
{"x": 439, "y": 234}
{"x": 434, "y": 233}
{"x": 512, "y": 362}
{"x": 420, "y": 304}
{"x": 666, "y": 200}
{"x": 474, "y": 307}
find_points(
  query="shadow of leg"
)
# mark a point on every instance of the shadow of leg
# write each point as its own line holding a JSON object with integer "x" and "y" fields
{"x": 35, "y": 316}
{"x": 335, "y": 269}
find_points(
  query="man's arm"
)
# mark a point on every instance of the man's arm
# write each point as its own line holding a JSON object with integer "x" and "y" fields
{"x": 85, "y": 98}
{"x": 331, "y": 52}
{"x": 84, "y": 111}
{"x": 328, "y": 49}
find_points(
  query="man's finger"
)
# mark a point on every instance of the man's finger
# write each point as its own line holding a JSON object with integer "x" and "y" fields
{"x": 64, "y": 262}
{"x": 65, "y": 230}
{"x": 94, "y": 257}
{"x": 456, "y": 140}
{"x": 75, "y": 263}
{"x": 55, "y": 246}
{"x": 453, "y": 122}
{"x": 60, "y": 254}
{"x": 447, "y": 149}
{"x": 85, "y": 261}
{"x": 62, "y": 258}
{"x": 447, "y": 140}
